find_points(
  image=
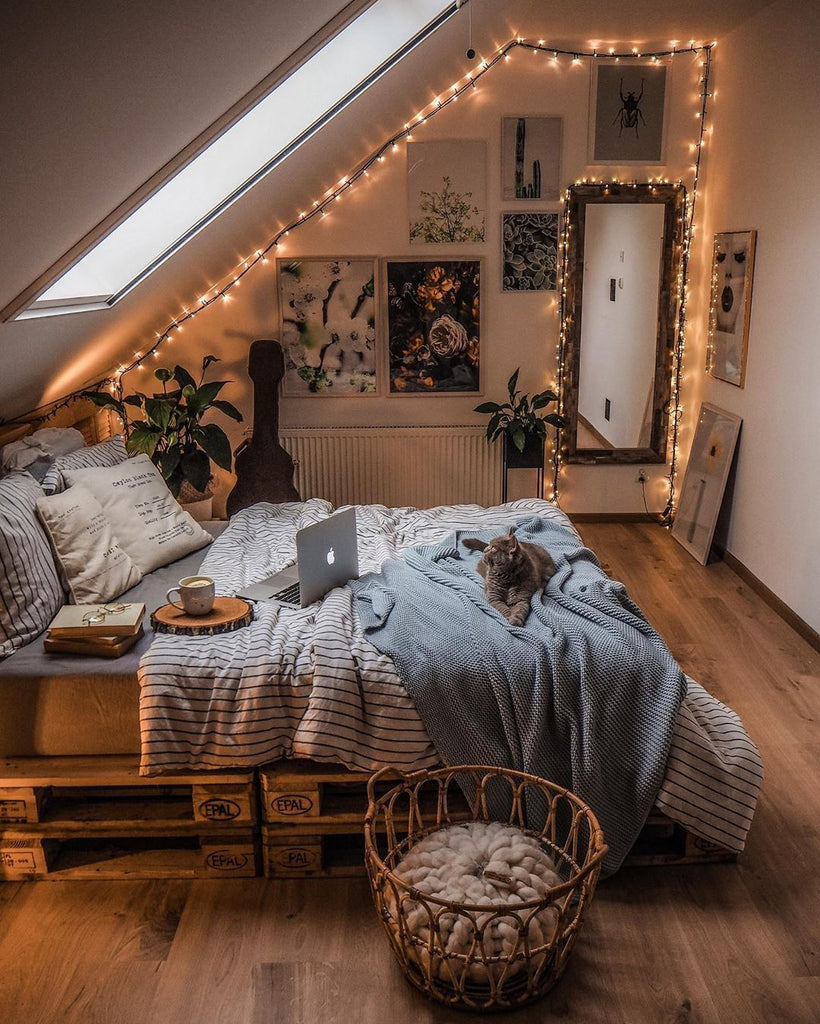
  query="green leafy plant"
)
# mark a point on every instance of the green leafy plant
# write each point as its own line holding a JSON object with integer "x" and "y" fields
{"x": 519, "y": 417}
{"x": 171, "y": 431}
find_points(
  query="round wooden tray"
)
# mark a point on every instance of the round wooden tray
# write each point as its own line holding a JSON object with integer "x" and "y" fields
{"x": 227, "y": 614}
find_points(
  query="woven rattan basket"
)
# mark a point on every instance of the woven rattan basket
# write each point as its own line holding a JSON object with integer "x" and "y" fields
{"x": 477, "y": 978}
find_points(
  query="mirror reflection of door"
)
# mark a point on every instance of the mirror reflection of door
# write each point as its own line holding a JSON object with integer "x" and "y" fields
{"x": 622, "y": 261}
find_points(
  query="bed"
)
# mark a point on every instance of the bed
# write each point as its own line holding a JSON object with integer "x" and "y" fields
{"x": 309, "y": 683}
{"x": 315, "y": 684}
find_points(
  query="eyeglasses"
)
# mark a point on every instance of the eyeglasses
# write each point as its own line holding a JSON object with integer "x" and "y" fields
{"x": 97, "y": 615}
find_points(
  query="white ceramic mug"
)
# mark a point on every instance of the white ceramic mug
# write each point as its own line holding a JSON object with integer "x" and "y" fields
{"x": 196, "y": 594}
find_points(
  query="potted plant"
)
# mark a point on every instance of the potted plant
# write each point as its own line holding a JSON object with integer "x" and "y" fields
{"x": 523, "y": 428}
{"x": 172, "y": 434}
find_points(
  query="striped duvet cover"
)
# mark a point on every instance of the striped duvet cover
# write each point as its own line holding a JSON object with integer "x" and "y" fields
{"x": 307, "y": 683}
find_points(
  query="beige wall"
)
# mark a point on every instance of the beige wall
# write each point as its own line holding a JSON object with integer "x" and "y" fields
{"x": 763, "y": 159}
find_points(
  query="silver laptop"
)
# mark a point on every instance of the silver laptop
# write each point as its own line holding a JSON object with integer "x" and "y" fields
{"x": 326, "y": 557}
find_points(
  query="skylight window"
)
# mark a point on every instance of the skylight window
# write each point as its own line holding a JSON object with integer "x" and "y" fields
{"x": 235, "y": 161}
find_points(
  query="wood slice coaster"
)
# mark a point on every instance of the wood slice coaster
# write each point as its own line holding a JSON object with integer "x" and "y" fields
{"x": 227, "y": 614}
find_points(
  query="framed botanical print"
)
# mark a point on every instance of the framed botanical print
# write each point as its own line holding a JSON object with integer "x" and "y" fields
{"x": 710, "y": 459}
{"x": 628, "y": 111}
{"x": 531, "y": 158}
{"x": 447, "y": 191}
{"x": 328, "y": 325}
{"x": 433, "y": 326}
{"x": 733, "y": 261}
{"x": 529, "y": 243}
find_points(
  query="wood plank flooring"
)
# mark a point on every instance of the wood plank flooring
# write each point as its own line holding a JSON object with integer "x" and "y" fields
{"x": 714, "y": 945}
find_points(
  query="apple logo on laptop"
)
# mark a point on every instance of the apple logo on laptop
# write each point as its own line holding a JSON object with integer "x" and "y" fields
{"x": 331, "y": 557}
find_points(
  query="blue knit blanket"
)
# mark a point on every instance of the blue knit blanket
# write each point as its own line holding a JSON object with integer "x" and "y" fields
{"x": 585, "y": 694}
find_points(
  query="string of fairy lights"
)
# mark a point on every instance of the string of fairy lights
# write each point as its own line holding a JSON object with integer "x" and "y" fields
{"x": 223, "y": 289}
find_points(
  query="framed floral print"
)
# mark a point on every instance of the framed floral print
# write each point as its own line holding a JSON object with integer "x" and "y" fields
{"x": 433, "y": 326}
{"x": 328, "y": 325}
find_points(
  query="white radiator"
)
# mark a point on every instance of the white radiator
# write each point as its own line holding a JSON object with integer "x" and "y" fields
{"x": 393, "y": 466}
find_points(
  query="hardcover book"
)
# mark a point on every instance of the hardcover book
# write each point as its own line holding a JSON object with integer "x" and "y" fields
{"x": 87, "y": 620}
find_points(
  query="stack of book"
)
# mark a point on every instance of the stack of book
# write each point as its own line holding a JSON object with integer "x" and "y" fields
{"x": 105, "y": 630}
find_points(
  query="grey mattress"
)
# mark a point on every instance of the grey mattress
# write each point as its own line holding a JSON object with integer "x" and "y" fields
{"x": 54, "y": 704}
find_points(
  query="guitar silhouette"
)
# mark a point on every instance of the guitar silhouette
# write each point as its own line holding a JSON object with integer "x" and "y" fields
{"x": 264, "y": 470}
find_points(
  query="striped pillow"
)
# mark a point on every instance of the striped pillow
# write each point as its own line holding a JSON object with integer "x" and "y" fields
{"x": 30, "y": 592}
{"x": 106, "y": 453}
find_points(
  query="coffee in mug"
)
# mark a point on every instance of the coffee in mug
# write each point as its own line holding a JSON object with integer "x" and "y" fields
{"x": 196, "y": 594}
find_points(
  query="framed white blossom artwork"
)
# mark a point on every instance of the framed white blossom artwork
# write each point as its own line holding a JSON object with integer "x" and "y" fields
{"x": 433, "y": 325}
{"x": 701, "y": 496}
{"x": 328, "y": 325}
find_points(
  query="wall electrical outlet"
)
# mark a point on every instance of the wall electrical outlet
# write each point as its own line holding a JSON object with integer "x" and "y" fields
{"x": 640, "y": 477}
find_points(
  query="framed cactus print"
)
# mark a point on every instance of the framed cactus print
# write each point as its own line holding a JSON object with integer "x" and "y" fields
{"x": 531, "y": 158}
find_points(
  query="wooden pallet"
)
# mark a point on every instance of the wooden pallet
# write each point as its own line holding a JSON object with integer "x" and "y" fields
{"x": 38, "y": 858}
{"x": 99, "y": 794}
{"x": 665, "y": 842}
{"x": 93, "y": 817}
{"x": 297, "y": 854}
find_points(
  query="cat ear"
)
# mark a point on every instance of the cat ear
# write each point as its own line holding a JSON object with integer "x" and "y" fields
{"x": 514, "y": 541}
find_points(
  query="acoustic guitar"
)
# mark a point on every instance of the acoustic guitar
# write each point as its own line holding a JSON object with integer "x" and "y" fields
{"x": 264, "y": 470}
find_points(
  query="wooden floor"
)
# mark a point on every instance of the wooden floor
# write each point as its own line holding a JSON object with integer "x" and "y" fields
{"x": 719, "y": 944}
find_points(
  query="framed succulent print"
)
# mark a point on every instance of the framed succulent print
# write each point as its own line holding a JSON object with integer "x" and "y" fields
{"x": 433, "y": 326}
{"x": 328, "y": 325}
{"x": 529, "y": 243}
{"x": 733, "y": 261}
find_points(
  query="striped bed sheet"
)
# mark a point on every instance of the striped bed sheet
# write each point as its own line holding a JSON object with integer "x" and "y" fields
{"x": 307, "y": 683}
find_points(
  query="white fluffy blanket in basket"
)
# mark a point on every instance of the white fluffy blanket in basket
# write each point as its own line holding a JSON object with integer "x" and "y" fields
{"x": 480, "y": 864}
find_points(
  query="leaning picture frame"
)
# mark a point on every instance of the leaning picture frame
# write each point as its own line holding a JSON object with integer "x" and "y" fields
{"x": 730, "y": 309}
{"x": 628, "y": 108}
{"x": 327, "y": 325}
{"x": 433, "y": 324}
{"x": 710, "y": 458}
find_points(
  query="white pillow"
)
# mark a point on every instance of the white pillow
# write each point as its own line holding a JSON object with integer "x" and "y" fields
{"x": 144, "y": 515}
{"x": 30, "y": 591}
{"x": 106, "y": 453}
{"x": 85, "y": 545}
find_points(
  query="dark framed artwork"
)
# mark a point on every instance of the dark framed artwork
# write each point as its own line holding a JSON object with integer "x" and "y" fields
{"x": 628, "y": 112}
{"x": 531, "y": 158}
{"x": 447, "y": 191}
{"x": 710, "y": 459}
{"x": 433, "y": 325}
{"x": 529, "y": 243}
{"x": 328, "y": 325}
{"x": 733, "y": 261}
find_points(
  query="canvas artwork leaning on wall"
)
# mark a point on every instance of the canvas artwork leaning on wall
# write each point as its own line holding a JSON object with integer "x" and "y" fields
{"x": 433, "y": 316}
{"x": 328, "y": 325}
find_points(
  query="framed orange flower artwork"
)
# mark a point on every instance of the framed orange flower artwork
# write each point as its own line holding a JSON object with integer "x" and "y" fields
{"x": 433, "y": 323}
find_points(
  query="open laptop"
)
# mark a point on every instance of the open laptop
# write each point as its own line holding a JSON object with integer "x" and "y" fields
{"x": 326, "y": 557}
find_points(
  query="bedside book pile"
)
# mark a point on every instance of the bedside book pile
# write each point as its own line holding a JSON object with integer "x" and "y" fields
{"x": 106, "y": 630}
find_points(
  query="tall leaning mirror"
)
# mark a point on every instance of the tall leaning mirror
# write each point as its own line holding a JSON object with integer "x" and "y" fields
{"x": 622, "y": 292}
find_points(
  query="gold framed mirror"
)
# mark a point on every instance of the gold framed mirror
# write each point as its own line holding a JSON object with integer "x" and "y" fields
{"x": 622, "y": 294}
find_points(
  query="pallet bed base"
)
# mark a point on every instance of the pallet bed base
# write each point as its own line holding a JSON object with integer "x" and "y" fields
{"x": 96, "y": 817}
{"x": 312, "y": 816}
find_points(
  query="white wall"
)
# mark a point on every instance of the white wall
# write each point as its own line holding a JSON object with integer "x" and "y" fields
{"x": 763, "y": 159}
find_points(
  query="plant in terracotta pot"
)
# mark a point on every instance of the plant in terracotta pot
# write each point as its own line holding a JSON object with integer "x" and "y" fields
{"x": 171, "y": 431}
{"x": 521, "y": 423}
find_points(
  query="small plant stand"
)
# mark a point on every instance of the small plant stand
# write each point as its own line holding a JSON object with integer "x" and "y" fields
{"x": 531, "y": 458}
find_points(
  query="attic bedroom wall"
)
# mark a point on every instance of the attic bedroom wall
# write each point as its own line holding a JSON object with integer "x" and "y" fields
{"x": 763, "y": 156}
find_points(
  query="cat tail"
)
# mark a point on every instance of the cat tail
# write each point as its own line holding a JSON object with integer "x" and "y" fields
{"x": 474, "y": 544}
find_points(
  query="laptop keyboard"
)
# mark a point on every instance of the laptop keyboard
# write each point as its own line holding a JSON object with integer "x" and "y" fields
{"x": 290, "y": 595}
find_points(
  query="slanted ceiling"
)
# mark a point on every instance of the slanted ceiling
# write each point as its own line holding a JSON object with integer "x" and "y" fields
{"x": 98, "y": 97}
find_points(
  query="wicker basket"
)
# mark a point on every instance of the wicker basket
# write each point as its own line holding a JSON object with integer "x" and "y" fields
{"x": 544, "y": 929}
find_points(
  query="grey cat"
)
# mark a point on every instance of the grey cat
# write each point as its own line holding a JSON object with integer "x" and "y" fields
{"x": 513, "y": 571}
